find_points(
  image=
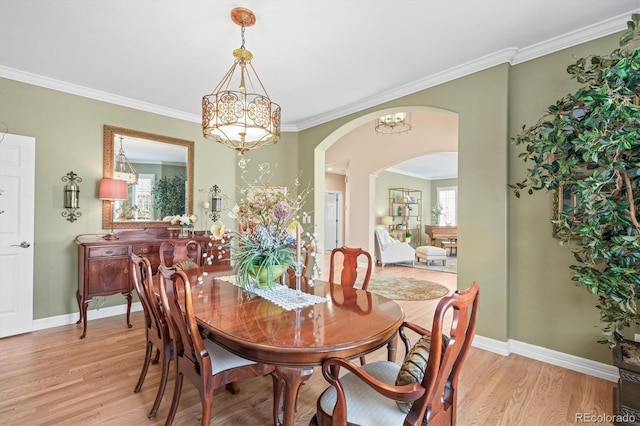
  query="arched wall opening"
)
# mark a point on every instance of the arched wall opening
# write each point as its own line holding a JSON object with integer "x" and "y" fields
{"x": 368, "y": 153}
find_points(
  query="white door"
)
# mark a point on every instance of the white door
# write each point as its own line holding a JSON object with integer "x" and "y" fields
{"x": 17, "y": 186}
{"x": 332, "y": 220}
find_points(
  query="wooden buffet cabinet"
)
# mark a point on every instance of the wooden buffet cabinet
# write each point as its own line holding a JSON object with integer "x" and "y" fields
{"x": 103, "y": 265}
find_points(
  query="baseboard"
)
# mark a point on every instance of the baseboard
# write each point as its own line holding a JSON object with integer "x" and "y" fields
{"x": 491, "y": 345}
{"x": 549, "y": 356}
{"x": 560, "y": 359}
{"x": 571, "y": 362}
{"x": 49, "y": 322}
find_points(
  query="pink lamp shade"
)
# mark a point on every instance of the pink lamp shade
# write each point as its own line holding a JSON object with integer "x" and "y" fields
{"x": 113, "y": 189}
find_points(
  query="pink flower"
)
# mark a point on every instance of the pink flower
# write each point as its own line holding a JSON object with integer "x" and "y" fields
{"x": 282, "y": 210}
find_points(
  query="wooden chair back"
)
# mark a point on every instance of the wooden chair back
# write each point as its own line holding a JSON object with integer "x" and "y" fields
{"x": 349, "y": 272}
{"x": 170, "y": 296}
{"x": 157, "y": 330}
{"x": 181, "y": 249}
{"x": 141, "y": 268}
{"x": 192, "y": 357}
{"x": 434, "y": 398}
{"x": 444, "y": 365}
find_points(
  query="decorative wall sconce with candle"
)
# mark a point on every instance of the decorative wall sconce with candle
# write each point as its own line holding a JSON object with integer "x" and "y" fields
{"x": 113, "y": 190}
{"x": 71, "y": 196}
{"x": 216, "y": 202}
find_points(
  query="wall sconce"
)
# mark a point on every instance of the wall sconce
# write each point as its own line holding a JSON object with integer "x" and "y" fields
{"x": 113, "y": 190}
{"x": 216, "y": 203}
{"x": 71, "y": 196}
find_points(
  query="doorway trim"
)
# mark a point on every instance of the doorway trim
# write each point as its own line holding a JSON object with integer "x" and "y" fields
{"x": 339, "y": 218}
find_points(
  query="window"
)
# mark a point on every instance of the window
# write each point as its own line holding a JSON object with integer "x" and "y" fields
{"x": 142, "y": 196}
{"x": 448, "y": 202}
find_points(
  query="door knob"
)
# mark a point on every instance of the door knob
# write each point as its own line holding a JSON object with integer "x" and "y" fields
{"x": 23, "y": 244}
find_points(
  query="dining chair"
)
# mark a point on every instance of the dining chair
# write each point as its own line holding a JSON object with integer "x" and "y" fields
{"x": 156, "y": 330}
{"x": 349, "y": 272}
{"x": 421, "y": 391}
{"x": 206, "y": 364}
{"x": 185, "y": 253}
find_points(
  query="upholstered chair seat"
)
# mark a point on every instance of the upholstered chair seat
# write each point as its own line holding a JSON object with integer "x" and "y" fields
{"x": 363, "y": 400}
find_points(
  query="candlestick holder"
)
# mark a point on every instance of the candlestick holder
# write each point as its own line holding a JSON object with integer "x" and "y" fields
{"x": 298, "y": 273}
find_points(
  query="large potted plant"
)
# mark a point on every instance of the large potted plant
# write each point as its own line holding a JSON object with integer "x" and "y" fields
{"x": 588, "y": 143}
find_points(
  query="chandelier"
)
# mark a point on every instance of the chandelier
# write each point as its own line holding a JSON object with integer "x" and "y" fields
{"x": 237, "y": 113}
{"x": 123, "y": 169}
{"x": 397, "y": 123}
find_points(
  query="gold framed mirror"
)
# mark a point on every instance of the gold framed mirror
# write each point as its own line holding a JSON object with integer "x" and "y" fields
{"x": 159, "y": 161}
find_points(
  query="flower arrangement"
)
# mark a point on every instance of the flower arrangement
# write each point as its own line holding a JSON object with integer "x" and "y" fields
{"x": 268, "y": 240}
{"x": 185, "y": 220}
{"x": 267, "y": 237}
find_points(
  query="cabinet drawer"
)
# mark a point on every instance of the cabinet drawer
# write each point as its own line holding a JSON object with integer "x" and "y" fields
{"x": 145, "y": 249}
{"x": 108, "y": 251}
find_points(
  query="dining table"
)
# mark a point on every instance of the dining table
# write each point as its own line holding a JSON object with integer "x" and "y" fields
{"x": 347, "y": 322}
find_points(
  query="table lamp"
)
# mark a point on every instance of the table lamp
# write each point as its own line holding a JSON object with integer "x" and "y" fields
{"x": 113, "y": 190}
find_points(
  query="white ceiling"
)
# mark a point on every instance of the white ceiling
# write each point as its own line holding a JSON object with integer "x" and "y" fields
{"x": 318, "y": 59}
{"x": 439, "y": 165}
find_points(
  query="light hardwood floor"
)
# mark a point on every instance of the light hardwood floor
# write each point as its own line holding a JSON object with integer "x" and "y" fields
{"x": 51, "y": 377}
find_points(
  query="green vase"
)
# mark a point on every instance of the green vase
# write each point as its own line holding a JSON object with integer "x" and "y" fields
{"x": 268, "y": 276}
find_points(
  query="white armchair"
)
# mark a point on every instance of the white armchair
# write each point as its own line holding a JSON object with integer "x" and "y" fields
{"x": 390, "y": 250}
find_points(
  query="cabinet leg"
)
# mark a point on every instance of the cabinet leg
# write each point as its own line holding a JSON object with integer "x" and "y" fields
{"x": 82, "y": 308}
{"x": 83, "y": 315}
{"x": 128, "y": 295}
{"x": 79, "y": 299}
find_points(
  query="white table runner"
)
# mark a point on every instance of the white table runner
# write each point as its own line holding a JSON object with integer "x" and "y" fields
{"x": 287, "y": 298}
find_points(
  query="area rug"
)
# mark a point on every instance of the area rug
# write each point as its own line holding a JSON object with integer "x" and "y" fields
{"x": 451, "y": 265}
{"x": 403, "y": 288}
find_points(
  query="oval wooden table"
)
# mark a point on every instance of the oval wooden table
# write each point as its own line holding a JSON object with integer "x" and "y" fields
{"x": 351, "y": 323}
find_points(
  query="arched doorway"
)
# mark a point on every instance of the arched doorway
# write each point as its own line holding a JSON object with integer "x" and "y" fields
{"x": 434, "y": 130}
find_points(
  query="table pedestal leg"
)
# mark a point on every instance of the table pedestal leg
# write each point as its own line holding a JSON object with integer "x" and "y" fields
{"x": 293, "y": 378}
{"x": 392, "y": 348}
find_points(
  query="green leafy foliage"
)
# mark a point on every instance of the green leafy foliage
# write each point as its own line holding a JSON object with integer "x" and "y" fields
{"x": 169, "y": 195}
{"x": 591, "y": 140}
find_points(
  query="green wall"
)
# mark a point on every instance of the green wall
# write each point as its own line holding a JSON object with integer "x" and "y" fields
{"x": 505, "y": 244}
{"x": 480, "y": 100}
{"x": 69, "y": 136}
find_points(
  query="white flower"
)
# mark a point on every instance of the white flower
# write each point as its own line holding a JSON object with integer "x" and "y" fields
{"x": 218, "y": 230}
{"x": 233, "y": 213}
{"x": 182, "y": 220}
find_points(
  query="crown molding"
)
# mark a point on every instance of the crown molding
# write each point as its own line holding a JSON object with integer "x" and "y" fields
{"x": 574, "y": 38}
{"x": 98, "y": 95}
{"x": 510, "y": 55}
